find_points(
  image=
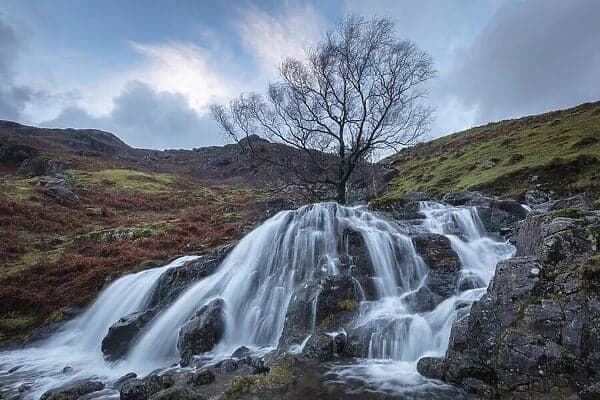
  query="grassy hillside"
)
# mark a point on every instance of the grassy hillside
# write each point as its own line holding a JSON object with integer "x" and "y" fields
{"x": 56, "y": 253}
{"x": 558, "y": 151}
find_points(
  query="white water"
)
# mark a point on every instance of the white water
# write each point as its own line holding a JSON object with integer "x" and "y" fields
{"x": 257, "y": 280}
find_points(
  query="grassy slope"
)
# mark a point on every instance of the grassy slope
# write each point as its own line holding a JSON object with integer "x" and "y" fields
{"x": 61, "y": 254}
{"x": 559, "y": 151}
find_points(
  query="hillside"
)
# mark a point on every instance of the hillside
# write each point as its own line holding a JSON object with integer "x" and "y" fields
{"x": 557, "y": 151}
{"x": 80, "y": 208}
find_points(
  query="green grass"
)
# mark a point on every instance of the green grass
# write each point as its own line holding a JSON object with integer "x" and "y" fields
{"x": 124, "y": 179}
{"x": 561, "y": 149}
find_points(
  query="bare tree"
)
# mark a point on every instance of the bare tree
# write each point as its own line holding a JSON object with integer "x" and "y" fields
{"x": 358, "y": 91}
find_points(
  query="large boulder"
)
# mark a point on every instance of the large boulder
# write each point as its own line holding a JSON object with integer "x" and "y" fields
{"x": 73, "y": 391}
{"x": 141, "y": 389}
{"x": 300, "y": 318}
{"x": 122, "y": 333}
{"x": 202, "y": 332}
{"x": 443, "y": 275}
{"x": 558, "y": 239}
{"x": 175, "y": 280}
{"x": 325, "y": 346}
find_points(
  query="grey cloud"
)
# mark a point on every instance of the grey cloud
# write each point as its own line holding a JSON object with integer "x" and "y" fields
{"x": 13, "y": 98}
{"x": 143, "y": 117}
{"x": 532, "y": 57}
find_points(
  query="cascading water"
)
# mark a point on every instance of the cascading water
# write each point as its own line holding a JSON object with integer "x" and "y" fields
{"x": 258, "y": 279}
{"x": 77, "y": 345}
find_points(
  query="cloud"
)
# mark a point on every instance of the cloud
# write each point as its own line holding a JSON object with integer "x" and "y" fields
{"x": 271, "y": 36}
{"x": 13, "y": 97}
{"x": 532, "y": 57}
{"x": 144, "y": 117}
{"x": 201, "y": 74}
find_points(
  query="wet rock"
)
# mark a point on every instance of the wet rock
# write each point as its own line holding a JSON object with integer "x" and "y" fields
{"x": 359, "y": 261}
{"x": 337, "y": 302}
{"x": 175, "y": 280}
{"x": 300, "y": 315}
{"x": 557, "y": 241}
{"x": 124, "y": 379}
{"x": 24, "y": 387}
{"x": 141, "y": 389}
{"x": 495, "y": 213}
{"x": 202, "y": 332}
{"x": 535, "y": 331}
{"x": 202, "y": 377}
{"x": 241, "y": 352}
{"x": 73, "y": 391}
{"x": 424, "y": 299}
{"x": 436, "y": 252}
{"x": 579, "y": 201}
{"x": 325, "y": 346}
{"x": 121, "y": 334}
{"x": 536, "y": 197}
{"x": 432, "y": 367}
{"x": 228, "y": 365}
{"x": 178, "y": 393}
{"x": 443, "y": 275}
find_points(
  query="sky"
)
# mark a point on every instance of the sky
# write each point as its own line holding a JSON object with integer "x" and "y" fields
{"x": 148, "y": 70}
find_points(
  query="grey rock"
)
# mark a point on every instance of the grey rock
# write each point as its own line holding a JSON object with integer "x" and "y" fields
{"x": 536, "y": 197}
{"x": 73, "y": 391}
{"x": 202, "y": 377}
{"x": 122, "y": 333}
{"x": 61, "y": 193}
{"x": 178, "y": 393}
{"x": 324, "y": 346}
{"x": 202, "y": 332}
{"x": 141, "y": 389}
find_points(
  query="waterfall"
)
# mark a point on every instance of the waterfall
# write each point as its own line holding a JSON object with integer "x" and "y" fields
{"x": 77, "y": 344}
{"x": 258, "y": 279}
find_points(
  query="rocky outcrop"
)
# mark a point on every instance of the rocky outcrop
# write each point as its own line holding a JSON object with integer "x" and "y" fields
{"x": 534, "y": 334}
{"x": 73, "y": 391}
{"x": 443, "y": 275}
{"x": 175, "y": 280}
{"x": 202, "y": 332}
{"x": 122, "y": 333}
{"x": 495, "y": 213}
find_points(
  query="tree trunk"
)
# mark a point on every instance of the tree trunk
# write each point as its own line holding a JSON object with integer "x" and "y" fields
{"x": 340, "y": 195}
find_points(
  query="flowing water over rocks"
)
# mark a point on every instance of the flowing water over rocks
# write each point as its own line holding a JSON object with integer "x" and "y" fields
{"x": 346, "y": 286}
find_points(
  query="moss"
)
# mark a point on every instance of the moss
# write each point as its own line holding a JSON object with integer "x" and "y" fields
{"x": 597, "y": 205}
{"x": 591, "y": 270}
{"x": 16, "y": 327}
{"x": 348, "y": 305}
{"x": 547, "y": 146}
{"x": 327, "y": 322}
{"x": 567, "y": 213}
{"x": 279, "y": 375}
{"x": 125, "y": 179}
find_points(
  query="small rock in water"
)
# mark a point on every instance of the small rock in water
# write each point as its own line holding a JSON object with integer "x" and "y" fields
{"x": 67, "y": 370}
{"x": 24, "y": 387}
{"x": 14, "y": 369}
{"x": 122, "y": 380}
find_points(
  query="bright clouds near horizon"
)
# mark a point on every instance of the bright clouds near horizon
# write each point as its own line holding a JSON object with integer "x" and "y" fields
{"x": 150, "y": 75}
